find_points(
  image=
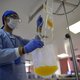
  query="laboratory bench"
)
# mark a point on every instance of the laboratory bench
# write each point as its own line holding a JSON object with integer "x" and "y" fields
{"x": 54, "y": 77}
{"x": 67, "y": 77}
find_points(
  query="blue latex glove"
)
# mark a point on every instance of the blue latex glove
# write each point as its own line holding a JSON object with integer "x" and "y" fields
{"x": 39, "y": 21}
{"x": 32, "y": 45}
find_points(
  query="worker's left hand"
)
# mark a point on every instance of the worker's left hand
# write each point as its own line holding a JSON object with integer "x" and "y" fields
{"x": 39, "y": 21}
{"x": 32, "y": 45}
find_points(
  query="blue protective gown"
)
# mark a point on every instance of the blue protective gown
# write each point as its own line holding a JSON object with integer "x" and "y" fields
{"x": 11, "y": 65}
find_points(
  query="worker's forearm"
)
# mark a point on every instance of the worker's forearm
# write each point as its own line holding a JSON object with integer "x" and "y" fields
{"x": 8, "y": 55}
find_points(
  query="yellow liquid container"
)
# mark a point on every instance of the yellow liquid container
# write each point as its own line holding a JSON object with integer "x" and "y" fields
{"x": 45, "y": 70}
{"x": 49, "y": 23}
{"x": 44, "y": 61}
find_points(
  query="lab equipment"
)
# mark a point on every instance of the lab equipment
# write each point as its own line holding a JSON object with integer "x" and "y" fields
{"x": 64, "y": 4}
{"x": 32, "y": 45}
{"x": 44, "y": 61}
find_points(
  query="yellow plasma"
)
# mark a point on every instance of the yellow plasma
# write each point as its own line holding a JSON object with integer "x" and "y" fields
{"x": 45, "y": 70}
{"x": 49, "y": 23}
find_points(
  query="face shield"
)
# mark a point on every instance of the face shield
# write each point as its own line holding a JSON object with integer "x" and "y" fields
{"x": 8, "y": 17}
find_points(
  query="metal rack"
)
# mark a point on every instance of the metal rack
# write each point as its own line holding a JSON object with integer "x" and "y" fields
{"x": 68, "y": 3}
{"x": 63, "y": 4}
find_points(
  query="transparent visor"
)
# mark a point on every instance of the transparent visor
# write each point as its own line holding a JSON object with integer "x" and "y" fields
{"x": 16, "y": 20}
{"x": 19, "y": 20}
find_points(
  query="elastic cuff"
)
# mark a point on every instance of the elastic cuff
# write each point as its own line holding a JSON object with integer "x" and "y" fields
{"x": 17, "y": 52}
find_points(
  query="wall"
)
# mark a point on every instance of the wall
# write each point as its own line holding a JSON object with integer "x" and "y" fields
{"x": 63, "y": 65}
{"x": 66, "y": 65}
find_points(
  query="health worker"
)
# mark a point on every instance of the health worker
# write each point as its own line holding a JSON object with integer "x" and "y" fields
{"x": 13, "y": 47}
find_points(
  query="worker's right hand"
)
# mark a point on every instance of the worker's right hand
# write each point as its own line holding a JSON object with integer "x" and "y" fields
{"x": 32, "y": 45}
{"x": 39, "y": 21}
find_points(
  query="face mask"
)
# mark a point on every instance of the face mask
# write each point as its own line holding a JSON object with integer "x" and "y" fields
{"x": 13, "y": 23}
